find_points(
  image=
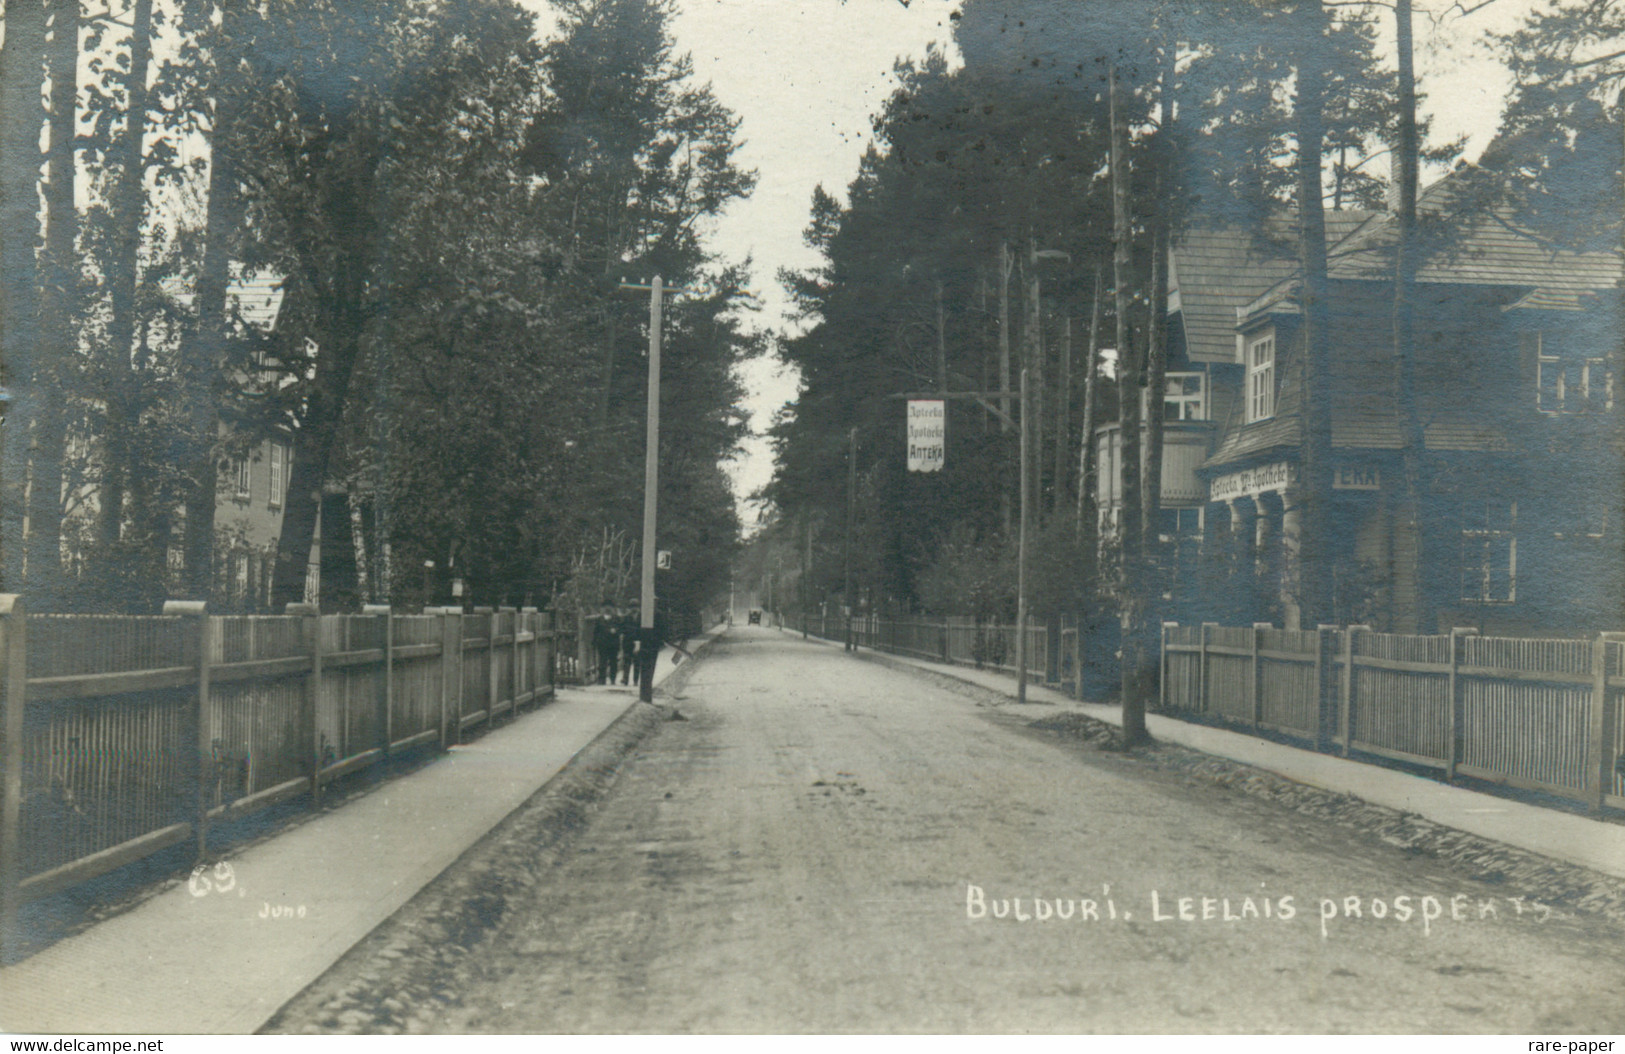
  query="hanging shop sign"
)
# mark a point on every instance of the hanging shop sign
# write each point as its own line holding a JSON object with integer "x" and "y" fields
{"x": 927, "y": 434}
{"x": 1251, "y": 482}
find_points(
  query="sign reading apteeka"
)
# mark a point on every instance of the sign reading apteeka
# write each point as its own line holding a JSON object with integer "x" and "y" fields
{"x": 927, "y": 434}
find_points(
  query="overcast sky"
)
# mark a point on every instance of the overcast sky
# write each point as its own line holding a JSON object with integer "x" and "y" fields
{"x": 805, "y": 76}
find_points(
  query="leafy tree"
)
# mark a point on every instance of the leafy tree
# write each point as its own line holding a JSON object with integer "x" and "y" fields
{"x": 21, "y": 118}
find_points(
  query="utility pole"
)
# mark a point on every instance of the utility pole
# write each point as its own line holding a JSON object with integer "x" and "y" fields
{"x": 651, "y": 478}
{"x": 1021, "y": 557}
{"x": 851, "y": 512}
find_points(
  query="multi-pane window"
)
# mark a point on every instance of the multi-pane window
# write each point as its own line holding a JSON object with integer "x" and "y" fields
{"x": 1489, "y": 552}
{"x": 1261, "y": 379}
{"x": 1570, "y": 384}
{"x": 244, "y": 478}
{"x": 277, "y": 473}
{"x": 1179, "y": 523}
{"x": 1185, "y": 398}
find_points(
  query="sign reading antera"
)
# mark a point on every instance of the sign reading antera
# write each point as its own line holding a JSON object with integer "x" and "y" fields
{"x": 927, "y": 431}
{"x": 1252, "y": 481}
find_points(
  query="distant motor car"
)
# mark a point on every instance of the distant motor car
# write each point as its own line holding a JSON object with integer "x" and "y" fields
{"x": 755, "y": 617}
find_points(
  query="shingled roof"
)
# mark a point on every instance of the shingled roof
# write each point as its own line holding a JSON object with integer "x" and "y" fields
{"x": 1484, "y": 249}
{"x": 1217, "y": 270}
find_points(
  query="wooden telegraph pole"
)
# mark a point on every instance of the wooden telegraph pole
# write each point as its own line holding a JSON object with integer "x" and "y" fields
{"x": 651, "y": 477}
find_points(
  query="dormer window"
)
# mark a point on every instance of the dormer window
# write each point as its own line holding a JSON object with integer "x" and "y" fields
{"x": 1261, "y": 378}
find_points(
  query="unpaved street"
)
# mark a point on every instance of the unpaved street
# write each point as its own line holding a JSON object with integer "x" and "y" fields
{"x": 825, "y": 843}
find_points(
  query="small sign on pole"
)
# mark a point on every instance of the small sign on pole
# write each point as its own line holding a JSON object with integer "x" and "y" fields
{"x": 927, "y": 434}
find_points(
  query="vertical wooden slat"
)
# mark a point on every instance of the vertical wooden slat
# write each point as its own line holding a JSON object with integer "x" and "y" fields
{"x": 513, "y": 678}
{"x": 1162, "y": 689}
{"x": 491, "y": 683}
{"x": 13, "y": 699}
{"x": 1255, "y": 683}
{"x": 1202, "y": 672}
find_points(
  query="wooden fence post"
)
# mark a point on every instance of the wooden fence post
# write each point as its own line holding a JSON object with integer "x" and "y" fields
{"x": 550, "y": 619}
{"x": 386, "y": 688}
{"x": 312, "y": 630}
{"x": 1600, "y": 763}
{"x": 442, "y": 693}
{"x": 199, "y": 610}
{"x": 1325, "y": 693}
{"x": 452, "y": 642}
{"x": 490, "y": 664}
{"x": 513, "y": 680}
{"x": 13, "y": 699}
{"x": 1345, "y": 717}
{"x": 533, "y": 657}
{"x": 1162, "y": 690}
{"x": 1458, "y": 707}
{"x": 1202, "y": 666}
{"x": 1255, "y": 684}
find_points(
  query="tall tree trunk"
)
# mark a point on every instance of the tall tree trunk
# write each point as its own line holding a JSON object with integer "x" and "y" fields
{"x": 1088, "y": 503}
{"x": 1156, "y": 352}
{"x": 316, "y": 437}
{"x": 204, "y": 356}
{"x": 1136, "y": 662}
{"x": 128, "y": 202}
{"x": 22, "y": 68}
{"x": 1413, "y": 454}
{"x": 1063, "y": 413}
{"x": 942, "y": 342}
{"x": 1088, "y": 507}
{"x": 1005, "y": 265}
{"x": 1315, "y": 477}
{"x": 46, "y": 583}
{"x": 1032, "y": 359}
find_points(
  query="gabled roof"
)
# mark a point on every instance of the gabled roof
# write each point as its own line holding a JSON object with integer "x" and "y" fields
{"x": 1214, "y": 271}
{"x": 1484, "y": 249}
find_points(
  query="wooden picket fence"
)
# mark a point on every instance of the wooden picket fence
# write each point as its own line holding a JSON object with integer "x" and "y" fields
{"x": 955, "y": 640}
{"x": 121, "y": 736}
{"x": 1541, "y": 715}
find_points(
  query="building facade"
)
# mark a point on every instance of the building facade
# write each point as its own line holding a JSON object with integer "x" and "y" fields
{"x": 1505, "y": 517}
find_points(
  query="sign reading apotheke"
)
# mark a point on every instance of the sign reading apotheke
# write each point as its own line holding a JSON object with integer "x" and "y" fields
{"x": 927, "y": 434}
{"x": 1250, "y": 482}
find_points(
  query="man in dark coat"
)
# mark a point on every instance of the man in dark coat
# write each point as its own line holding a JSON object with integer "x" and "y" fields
{"x": 606, "y": 642}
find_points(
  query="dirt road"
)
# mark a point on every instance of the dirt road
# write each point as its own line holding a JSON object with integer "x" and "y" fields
{"x": 830, "y": 845}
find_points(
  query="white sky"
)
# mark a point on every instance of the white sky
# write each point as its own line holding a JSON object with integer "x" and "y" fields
{"x": 805, "y": 76}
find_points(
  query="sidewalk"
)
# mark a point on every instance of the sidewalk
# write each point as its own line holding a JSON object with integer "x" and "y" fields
{"x": 1548, "y": 832}
{"x": 223, "y": 963}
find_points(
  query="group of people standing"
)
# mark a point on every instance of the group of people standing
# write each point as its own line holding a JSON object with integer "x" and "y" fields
{"x": 616, "y": 634}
